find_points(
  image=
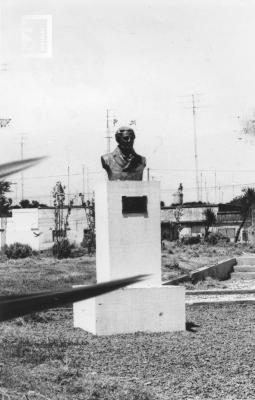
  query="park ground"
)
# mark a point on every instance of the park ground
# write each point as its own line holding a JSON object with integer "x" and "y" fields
{"x": 43, "y": 356}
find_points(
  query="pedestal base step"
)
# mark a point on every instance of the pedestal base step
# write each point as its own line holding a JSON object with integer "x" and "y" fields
{"x": 133, "y": 309}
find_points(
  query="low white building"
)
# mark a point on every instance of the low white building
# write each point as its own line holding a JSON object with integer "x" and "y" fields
{"x": 35, "y": 227}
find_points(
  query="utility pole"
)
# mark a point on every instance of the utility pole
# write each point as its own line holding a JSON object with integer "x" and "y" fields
{"x": 201, "y": 186}
{"x": 148, "y": 174}
{"x": 22, "y": 157}
{"x": 195, "y": 144}
{"x": 206, "y": 192}
{"x": 68, "y": 184}
{"x": 233, "y": 186}
{"x": 88, "y": 188}
{"x": 83, "y": 180}
{"x": 215, "y": 187}
{"x": 111, "y": 121}
{"x": 108, "y": 133}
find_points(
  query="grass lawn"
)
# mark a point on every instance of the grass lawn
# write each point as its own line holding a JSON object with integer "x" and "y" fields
{"x": 45, "y": 273}
{"x": 43, "y": 356}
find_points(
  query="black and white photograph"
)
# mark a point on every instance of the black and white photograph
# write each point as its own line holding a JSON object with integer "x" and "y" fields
{"x": 127, "y": 200}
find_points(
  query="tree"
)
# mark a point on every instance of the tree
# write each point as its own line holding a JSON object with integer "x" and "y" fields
{"x": 210, "y": 220}
{"x": 178, "y": 213}
{"x": 61, "y": 247}
{"x": 25, "y": 203}
{"x": 5, "y": 202}
{"x": 246, "y": 201}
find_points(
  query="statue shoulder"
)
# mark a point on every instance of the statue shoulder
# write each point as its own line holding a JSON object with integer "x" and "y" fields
{"x": 142, "y": 160}
{"x": 106, "y": 158}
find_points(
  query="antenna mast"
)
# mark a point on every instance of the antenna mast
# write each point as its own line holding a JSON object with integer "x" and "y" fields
{"x": 108, "y": 133}
{"x": 22, "y": 157}
{"x": 195, "y": 144}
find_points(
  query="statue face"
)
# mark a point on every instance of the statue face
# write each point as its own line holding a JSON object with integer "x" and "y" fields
{"x": 126, "y": 141}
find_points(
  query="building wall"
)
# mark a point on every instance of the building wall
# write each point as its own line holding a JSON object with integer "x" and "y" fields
{"x": 77, "y": 224}
{"x": 228, "y": 222}
{"x": 46, "y": 225}
{"x": 35, "y": 227}
{"x": 21, "y": 227}
{"x": 190, "y": 214}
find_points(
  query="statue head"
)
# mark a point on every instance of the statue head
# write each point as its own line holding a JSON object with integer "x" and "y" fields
{"x": 125, "y": 137}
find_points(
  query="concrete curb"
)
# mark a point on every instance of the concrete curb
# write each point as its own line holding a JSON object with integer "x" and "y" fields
{"x": 221, "y": 271}
{"x": 206, "y": 302}
{"x": 217, "y": 291}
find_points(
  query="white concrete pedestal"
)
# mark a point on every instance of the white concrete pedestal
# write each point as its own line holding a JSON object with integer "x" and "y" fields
{"x": 127, "y": 244}
{"x": 129, "y": 310}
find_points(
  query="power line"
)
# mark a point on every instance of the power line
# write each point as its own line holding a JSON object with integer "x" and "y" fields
{"x": 203, "y": 170}
{"x": 48, "y": 176}
{"x": 213, "y": 187}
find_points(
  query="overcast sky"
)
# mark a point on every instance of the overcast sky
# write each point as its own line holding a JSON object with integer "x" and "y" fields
{"x": 143, "y": 60}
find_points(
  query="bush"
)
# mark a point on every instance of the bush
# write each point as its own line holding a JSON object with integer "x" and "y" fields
{"x": 190, "y": 239}
{"x": 217, "y": 237}
{"x": 18, "y": 250}
{"x": 62, "y": 249}
{"x": 173, "y": 264}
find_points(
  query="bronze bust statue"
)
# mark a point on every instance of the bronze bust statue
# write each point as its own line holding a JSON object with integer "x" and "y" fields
{"x": 123, "y": 163}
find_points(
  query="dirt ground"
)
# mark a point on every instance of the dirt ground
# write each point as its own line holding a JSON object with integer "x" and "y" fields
{"x": 43, "y": 357}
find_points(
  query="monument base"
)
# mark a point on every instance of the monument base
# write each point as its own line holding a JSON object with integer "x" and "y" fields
{"x": 133, "y": 309}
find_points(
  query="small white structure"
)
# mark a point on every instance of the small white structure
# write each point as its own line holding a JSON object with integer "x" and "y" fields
{"x": 35, "y": 226}
{"x": 3, "y": 224}
{"x": 128, "y": 244}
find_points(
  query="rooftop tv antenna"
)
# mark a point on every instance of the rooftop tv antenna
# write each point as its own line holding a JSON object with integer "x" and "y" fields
{"x": 195, "y": 144}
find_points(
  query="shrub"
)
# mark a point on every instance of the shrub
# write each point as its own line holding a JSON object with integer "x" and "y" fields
{"x": 217, "y": 237}
{"x": 62, "y": 249}
{"x": 18, "y": 250}
{"x": 173, "y": 263}
{"x": 191, "y": 239}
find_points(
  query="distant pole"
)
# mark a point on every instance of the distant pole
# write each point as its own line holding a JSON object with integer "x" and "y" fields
{"x": 206, "y": 192}
{"x": 195, "y": 144}
{"x": 68, "y": 184}
{"x": 88, "y": 188}
{"x": 83, "y": 180}
{"x": 233, "y": 186}
{"x": 215, "y": 187}
{"x": 16, "y": 193}
{"x": 201, "y": 187}
{"x": 108, "y": 133}
{"x": 22, "y": 175}
{"x": 148, "y": 174}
